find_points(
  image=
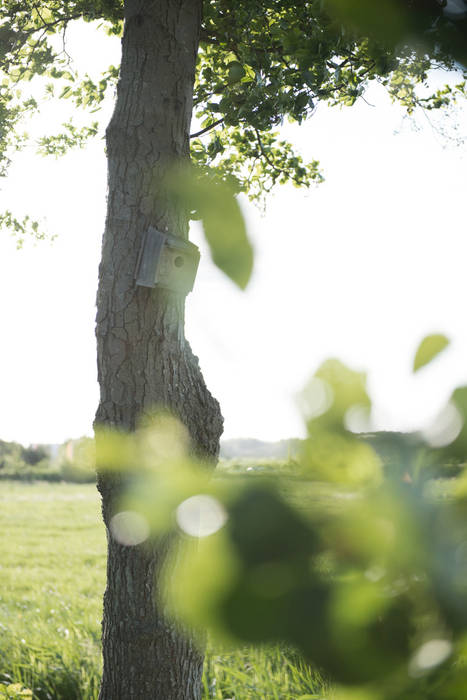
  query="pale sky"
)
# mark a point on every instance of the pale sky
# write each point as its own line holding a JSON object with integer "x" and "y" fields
{"x": 360, "y": 268}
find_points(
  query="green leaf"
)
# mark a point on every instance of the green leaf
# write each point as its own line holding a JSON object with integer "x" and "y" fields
{"x": 213, "y": 201}
{"x": 235, "y": 72}
{"x": 225, "y": 231}
{"x": 428, "y": 349}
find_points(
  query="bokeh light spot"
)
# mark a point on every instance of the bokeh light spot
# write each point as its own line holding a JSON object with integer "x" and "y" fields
{"x": 357, "y": 419}
{"x": 446, "y": 428}
{"x": 429, "y": 655}
{"x": 200, "y": 516}
{"x": 129, "y": 528}
{"x": 317, "y": 398}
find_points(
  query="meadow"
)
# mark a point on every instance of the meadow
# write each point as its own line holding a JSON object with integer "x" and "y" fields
{"x": 52, "y": 578}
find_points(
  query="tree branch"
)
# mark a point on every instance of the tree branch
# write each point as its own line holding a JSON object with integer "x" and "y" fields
{"x": 208, "y": 128}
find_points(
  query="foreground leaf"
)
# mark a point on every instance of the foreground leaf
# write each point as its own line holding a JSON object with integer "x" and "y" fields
{"x": 428, "y": 349}
{"x": 213, "y": 201}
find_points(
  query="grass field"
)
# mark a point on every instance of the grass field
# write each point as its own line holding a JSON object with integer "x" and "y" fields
{"x": 52, "y": 577}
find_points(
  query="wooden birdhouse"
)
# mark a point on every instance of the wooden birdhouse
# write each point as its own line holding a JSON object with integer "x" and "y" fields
{"x": 167, "y": 261}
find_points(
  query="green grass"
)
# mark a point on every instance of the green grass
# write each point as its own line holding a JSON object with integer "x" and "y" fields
{"x": 269, "y": 674}
{"x": 52, "y": 577}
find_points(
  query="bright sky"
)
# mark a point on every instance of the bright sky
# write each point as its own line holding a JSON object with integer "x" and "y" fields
{"x": 360, "y": 268}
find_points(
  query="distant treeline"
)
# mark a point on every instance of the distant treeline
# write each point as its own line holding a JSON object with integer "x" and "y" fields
{"x": 12, "y": 453}
{"x": 72, "y": 461}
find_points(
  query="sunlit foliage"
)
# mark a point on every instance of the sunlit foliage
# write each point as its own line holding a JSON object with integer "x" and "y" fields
{"x": 260, "y": 63}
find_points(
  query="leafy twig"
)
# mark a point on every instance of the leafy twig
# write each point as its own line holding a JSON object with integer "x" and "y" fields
{"x": 281, "y": 171}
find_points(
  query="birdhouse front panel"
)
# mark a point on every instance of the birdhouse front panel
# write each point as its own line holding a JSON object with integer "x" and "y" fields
{"x": 167, "y": 261}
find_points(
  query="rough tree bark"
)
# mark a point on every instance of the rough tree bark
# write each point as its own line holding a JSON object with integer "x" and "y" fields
{"x": 143, "y": 359}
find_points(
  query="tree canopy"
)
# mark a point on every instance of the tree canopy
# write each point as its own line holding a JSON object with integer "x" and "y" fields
{"x": 259, "y": 63}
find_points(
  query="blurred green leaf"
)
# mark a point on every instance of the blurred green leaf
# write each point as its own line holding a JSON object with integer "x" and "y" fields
{"x": 428, "y": 349}
{"x": 367, "y": 578}
{"x": 235, "y": 72}
{"x": 332, "y": 452}
{"x": 332, "y": 392}
{"x": 342, "y": 458}
{"x": 205, "y": 570}
{"x": 273, "y": 545}
{"x": 265, "y": 529}
{"x": 213, "y": 201}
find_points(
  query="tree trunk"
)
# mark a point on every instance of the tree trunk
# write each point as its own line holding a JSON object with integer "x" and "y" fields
{"x": 143, "y": 358}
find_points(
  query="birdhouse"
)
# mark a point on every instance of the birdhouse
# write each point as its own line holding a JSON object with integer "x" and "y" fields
{"x": 167, "y": 261}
